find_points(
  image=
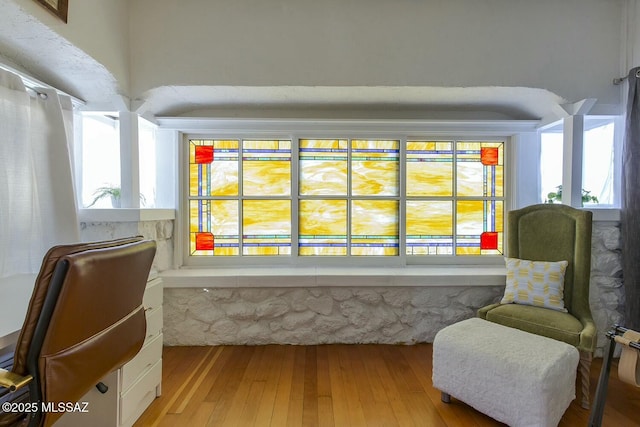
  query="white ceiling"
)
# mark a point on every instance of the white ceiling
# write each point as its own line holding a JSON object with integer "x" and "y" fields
{"x": 26, "y": 43}
{"x": 408, "y": 102}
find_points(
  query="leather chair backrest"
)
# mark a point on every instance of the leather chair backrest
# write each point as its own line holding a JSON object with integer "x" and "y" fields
{"x": 40, "y": 289}
{"x": 98, "y": 323}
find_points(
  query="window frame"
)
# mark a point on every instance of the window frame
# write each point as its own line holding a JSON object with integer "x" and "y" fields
{"x": 506, "y": 131}
{"x": 588, "y": 122}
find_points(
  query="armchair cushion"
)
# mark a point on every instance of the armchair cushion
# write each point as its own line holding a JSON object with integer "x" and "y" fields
{"x": 537, "y": 283}
{"x": 536, "y": 320}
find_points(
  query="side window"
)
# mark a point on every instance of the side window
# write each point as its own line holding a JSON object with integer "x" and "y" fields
{"x": 100, "y": 152}
{"x": 599, "y": 156}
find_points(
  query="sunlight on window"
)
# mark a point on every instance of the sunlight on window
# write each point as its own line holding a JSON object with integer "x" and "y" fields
{"x": 147, "y": 148}
{"x": 598, "y": 161}
{"x": 550, "y": 163}
{"x": 100, "y": 161}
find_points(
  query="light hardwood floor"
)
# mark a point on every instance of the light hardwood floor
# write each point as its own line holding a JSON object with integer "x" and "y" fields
{"x": 330, "y": 385}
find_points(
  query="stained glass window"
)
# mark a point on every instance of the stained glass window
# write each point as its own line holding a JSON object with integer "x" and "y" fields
{"x": 348, "y": 200}
{"x": 454, "y": 198}
{"x": 430, "y": 168}
{"x": 266, "y": 168}
{"x": 374, "y": 227}
{"x": 214, "y": 227}
{"x": 375, "y": 168}
{"x": 479, "y": 227}
{"x": 479, "y": 169}
{"x": 266, "y": 227}
{"x": 323, "y": 167}
{"x": 223, "y": 223}
{"x": 213, "y": 168}
{"x": 323, "y": 227}
{"x": 429, "y": 227}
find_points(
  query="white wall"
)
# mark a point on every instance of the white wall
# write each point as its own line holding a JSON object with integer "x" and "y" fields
{"x": 100, "y": 28}
{"x": 570, "y": 47}
{"x": 632, "y": 22}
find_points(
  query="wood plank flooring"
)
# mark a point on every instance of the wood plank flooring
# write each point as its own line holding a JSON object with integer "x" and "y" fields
{"x": 330, "y": 385}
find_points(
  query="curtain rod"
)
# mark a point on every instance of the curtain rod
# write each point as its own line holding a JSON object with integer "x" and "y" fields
{"x": 33, "y": 84}
{"x": 619, "y": 80}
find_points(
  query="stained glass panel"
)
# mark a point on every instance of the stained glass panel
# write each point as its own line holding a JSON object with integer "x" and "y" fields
{"x": 480, "y": 169}
{"x": 323, "y": 227}
{"x": 479, "y": 227}
{"x": 374, "y": 227}
{"x": 429, "y": 227}
{"x": 374, "y": 168}
{"x": 429, "y": 168}
{"x": 266, "y": 168}
{"x": 213, "y": 227}
{"x": 213, "y": 168}
{"x": 323, "y": 167}
{"x": 266, "y": 227}
{"x": 452, "y": 204}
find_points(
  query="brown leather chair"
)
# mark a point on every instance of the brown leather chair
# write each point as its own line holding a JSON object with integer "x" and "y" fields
{"x": 85, "y": 320}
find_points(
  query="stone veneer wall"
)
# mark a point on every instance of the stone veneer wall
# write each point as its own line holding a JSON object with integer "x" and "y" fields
{"x": 196, "y": 316}
{"x": 160, "y": 231}
{"x": 606, "y": 290}
{"x": 317, "y": 315}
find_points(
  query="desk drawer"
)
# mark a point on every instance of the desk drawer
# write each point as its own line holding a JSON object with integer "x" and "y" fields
{"x": 134, "y": 401}
{"x": 150, "y": 354}
{"x": 154, "y": 324}
{"x": 153, "y": 295}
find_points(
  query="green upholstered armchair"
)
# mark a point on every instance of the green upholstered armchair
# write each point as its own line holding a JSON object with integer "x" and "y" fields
{"x": 549, "y": 232}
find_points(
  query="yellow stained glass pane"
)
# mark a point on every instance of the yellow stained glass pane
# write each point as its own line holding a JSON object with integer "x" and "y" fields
{"x": 429, "y": 168}
{"x": 429, "y": 227}
{"x": 213, "y": 227}
{"x": 323, "y": 227}
{"x": 480, "y": 169}
{"x": 479, "y": 227}
{"x": 374, "y": 227}
{"x": 374, "y": 167}
{"x": 323, "y": 167}
{"x": 213, "y": 167}
{"x": 266, "y": 227}
{"x": 266, "y": 168}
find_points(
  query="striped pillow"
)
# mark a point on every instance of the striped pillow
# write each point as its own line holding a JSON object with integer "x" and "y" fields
{"x": 536, "y": 283}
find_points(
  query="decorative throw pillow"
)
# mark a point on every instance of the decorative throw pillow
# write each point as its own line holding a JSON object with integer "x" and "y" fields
{"x": 536, "y": 283}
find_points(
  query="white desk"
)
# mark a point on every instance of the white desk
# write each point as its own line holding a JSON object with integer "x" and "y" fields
{"x": 15, "y": 293}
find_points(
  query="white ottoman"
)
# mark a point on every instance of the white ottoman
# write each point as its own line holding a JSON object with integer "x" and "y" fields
{"x": 513, "y": 376}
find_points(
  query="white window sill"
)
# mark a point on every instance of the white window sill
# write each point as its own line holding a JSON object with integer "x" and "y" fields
{"x": 604, "y": 214}
{"x": 282, "y": 277}
{"x": 125, "y": 215}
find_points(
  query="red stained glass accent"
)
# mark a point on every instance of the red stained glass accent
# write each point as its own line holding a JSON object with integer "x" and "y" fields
{"x": 489, "y": 156}
{"x": 204, "y": 154}
{"x": 204, "y": 242}
{"x": 489, "y": 240}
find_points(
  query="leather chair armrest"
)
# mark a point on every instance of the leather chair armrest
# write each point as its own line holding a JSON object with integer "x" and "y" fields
{"x": 13, "y": 381}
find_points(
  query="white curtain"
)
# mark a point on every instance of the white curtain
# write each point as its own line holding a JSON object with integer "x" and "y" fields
{"x": 37, "y": 204}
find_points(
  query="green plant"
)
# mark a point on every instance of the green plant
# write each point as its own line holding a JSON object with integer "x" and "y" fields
{"x": 106, "y": 191}
{"x": 113, "y": 192}
{"x": 557, "y": 196}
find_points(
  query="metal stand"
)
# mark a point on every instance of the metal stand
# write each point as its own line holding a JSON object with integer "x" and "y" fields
{"x": 595, "y": 419}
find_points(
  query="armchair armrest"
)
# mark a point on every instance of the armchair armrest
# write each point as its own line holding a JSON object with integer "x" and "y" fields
{"x": 13, "y": 381}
